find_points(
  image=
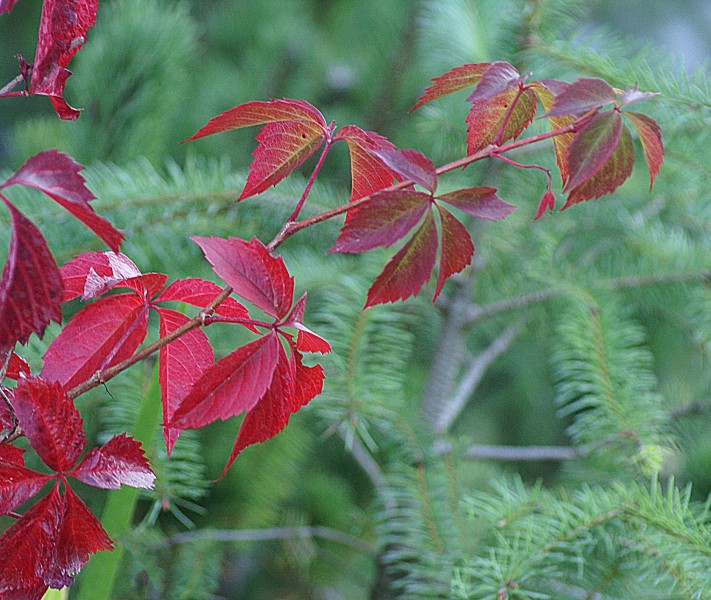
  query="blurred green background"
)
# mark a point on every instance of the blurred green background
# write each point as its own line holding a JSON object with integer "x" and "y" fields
{"x": 151, "y": 73}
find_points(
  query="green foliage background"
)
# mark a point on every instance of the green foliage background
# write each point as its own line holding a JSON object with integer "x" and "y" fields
{"x": 588, "y": 330}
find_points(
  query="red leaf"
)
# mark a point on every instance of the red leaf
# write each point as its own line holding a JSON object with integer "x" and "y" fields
{"x": 80, "y": 536}
{"x": 282, "y": 148}
{"x": 75, "y": 272}
{"x": 409, "y": 269}
{"x": 546, "y": 92}
{"x": 592, "y": 147}
{"x": 31, "y": 287}
{"x": 651, "y": 137}
{"x": 57, "y": 175}
{"x": 612, "y": 174}
{"x": 582, "y": 96}
{"x": 17, "y": 484}
{"x": 547, "y": 203}
{"x": 457, "y": 248}
{"x": 51, "y": 423}
{"x": 306, "y": 340}
{"x": 94, "y": 273}
{"x": 7, "y": 418}
{"x": 120, "y": 461}
{"x": 17, "y": 367}
{"x": 6, "y": 5}
{"x": 308, "y": 381}
{"x": 293, "y": 131}
{"x": 182, "y": 362}
{"x": 382, "y": 220}
{"x": 453, "y": 81}
{"x": 498, "y": 77}
{"x": 100, "y": 335}
{"x": 258, "y": 113}
{"x": 487, "y": 116}
{"x": 292, "y": 387}
{"x": 412, "y": 165}
{"x": 253, "y": 273}
{"x": 62, "y": 32}
{"x": 198, "y": 292}
{"x": 481, "y": 202}
{"x": 28, "y": 549}
{"x": 368, "y": 172}
{"x": 233, "y": 385}
{"x": 271, "y": 413}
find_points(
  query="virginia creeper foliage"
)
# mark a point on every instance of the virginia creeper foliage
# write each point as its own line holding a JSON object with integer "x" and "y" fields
{"x": 393, "y": 202}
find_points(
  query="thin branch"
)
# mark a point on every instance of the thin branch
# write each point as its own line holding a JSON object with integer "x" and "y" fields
{"x": 274, "y": 533}
{"x": 690, "y": 409}
{"x": 6, "y": 89}
{"x": 479, "y": 313}
{"x": 450, "y": 351}
{"x": 516, "y": 453}
{"x": 453, "y": 408}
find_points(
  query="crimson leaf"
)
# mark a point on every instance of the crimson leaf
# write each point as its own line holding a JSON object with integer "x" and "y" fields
{"x": 51, "y": 423}
{"x": 453, "y": 81}
{"x": 292, "y": 386}
{"x": 457, "y": 248}
{"x": 57, "y": 175}
{"x": 120, "y": 461}
{"x": 382, "y": 220}
{"x": 100, "y": 335}
{"x": 31, "y": 287}
{"x": 17, "y": 484}
{"x": 6, "y": 5}
{"x": 407, "y": 271}
{"x": 307, "y": 340}
{"x": 251, "y": 271}
{"x": 234, "y": 384}
{"x": 488, "y": 115}
{"x": 293, "y": 130}
{"x": 412, "y": 165}
{"x": 546, "y": 92}
{"x": 498, "y": 77}
{"x": 582, "y": 96}
{"x": 80, "y": 535}
{"x": 368, "y": 172}
{"x": 28, "y": 549}
{"x": 182, "y": 362}
{"x": 592, "y": 147}
{"x": 91, "y": 274}
{"x": 62, "y": 32}
{"x": 199, "y": 292}
{"x": 651, "y": 137}
{"x": 612, "y": 174}
{"x": 481, "y": 202}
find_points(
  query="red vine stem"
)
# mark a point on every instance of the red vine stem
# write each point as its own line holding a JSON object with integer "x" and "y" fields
{"x": 314, "y": 174}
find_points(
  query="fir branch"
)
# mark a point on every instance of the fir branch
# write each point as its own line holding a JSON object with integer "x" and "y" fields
{"x": 477, "y": 369}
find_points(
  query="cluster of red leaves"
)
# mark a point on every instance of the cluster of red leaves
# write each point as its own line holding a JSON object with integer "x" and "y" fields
{"x": 593, "y": 151}
{"x": 62, "y": 31}
{"x": 594, "y": 157}
{"x": 266, "y": 378}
